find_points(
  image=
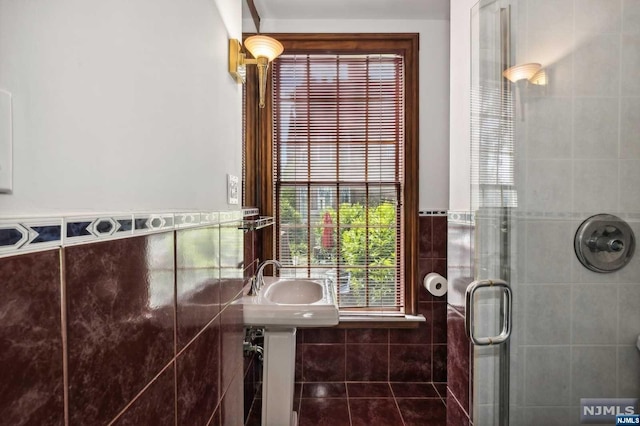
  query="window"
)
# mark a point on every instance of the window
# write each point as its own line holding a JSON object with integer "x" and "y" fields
{"x": 492, "y": 147}
{"x": 342, "y": 179}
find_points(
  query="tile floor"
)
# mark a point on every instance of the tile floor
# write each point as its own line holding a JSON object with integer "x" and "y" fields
{"x": 365, "y": 404}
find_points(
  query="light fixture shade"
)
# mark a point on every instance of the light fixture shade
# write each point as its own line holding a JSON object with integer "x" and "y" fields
{"x": 263, "y": 46}
{"x": 539, "y": 78}
{"x": 521, "y": 72}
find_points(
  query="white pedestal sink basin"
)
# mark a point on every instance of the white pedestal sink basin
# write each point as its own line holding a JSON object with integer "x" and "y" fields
{"x": 292, "y": 302}
{"x": 295, "y": 292}
{"x": 282, "y": 305}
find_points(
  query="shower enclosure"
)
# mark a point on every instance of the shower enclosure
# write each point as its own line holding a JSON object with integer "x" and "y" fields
{"x": 558, "y": 144}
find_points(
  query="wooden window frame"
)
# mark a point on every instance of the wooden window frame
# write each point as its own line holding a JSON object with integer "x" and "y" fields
{"x": 259, "y": 133}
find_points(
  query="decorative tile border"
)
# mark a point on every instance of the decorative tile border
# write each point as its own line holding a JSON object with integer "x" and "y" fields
{"x": 432, "y": 213}
{"x": 80, "y": 229}
{"x": 36, "y": 234}
{"x": 471, "y": 217}
{"x": 21, "y": 235}
{"x": 461, "y": 217}
{"x": 629, "y": 216}
{"x": 250, "y": 212}
{"x": 259, "y": 223}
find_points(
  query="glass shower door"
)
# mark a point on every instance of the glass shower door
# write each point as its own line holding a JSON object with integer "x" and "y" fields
{"x": 548, "y": 152}
{"x": 493, "y": 199}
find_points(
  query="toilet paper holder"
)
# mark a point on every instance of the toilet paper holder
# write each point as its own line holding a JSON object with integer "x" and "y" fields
{"x": 435, "y": 284}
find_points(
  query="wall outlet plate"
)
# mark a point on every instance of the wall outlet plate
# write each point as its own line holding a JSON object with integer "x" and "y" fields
{"x": 233, "y": 189}
{"x": 6, "y": 142}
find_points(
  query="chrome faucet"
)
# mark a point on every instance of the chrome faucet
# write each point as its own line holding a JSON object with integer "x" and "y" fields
{"x": 258, "y": 281}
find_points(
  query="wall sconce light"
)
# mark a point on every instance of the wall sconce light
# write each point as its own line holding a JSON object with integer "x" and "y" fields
{"x": 264, "y": 49}
{"x": 523, "y": 74}
{"x": 539, "y": 78}
{"x": 531, "y": 72}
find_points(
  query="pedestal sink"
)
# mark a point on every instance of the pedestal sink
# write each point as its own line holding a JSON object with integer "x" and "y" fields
{"x": 292, "y": 302}
{"x": 281, "y": 306}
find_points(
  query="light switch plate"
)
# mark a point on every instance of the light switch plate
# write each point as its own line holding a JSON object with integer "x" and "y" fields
{"x": 233, "y": 189}
{"x": 6, "y": 142}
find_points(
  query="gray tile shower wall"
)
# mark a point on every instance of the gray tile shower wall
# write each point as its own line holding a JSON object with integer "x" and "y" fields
{"x": 130, "y": 331}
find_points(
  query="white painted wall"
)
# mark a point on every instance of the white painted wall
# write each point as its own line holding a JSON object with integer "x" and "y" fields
{"x": 434, "y": 89}
{"x": 120, "y": 105}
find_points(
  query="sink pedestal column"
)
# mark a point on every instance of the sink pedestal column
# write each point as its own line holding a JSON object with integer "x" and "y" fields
{"x": 278, "y": 377}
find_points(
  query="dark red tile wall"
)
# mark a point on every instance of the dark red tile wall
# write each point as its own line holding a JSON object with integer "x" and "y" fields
{"x": 146, "y": 325}
{"x": 459, "y": 365}
{"x": 156, "y": 406}
{"x": 252, "y": 364}
{"x": 416, "y": 357}
{"x": 413, "y": 355}
{"x": 197, "y": 277}
{"x": 117, "y": 341}
{"x": 31, "y": 385}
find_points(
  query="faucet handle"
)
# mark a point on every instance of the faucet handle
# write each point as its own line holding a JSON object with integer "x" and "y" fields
{"x": 253, "y": 289}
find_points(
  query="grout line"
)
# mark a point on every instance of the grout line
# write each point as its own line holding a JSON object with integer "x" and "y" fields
{"x": 459, "y": 404}
{"x": 619, "y": 194}
{"x": 253, "y": 405}
{"x": 472, "y": 381}
{"x": 438, "y": 392}
{"x": 200, "y": 333}
{"x": 395, "y": 401}
{"x": 618, "y": 339}
{"x": 619, "y": 153}
{"x": 345, "y": 359}
{"x": 64, "y": 336}
{"x": 573, "y": 201}
{"x": 431, "y": 331}
{"x": 142, "y": 391}
{"x": 215, "y": 410}
{"x": 218, "y": 349}
{"x": 238, "y": 372}
{"x": 173, "y": 363}
{"x": 388, "y": 355}
{"x": 299, "y": 397}
{"x": 572, "y": 306}
{"x": 346, "y": 392}
{"x": 175, "y": 326}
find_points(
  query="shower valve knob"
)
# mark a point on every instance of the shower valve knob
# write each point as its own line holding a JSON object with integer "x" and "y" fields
{"x": 604, "y": 243}
{"x": 615, "y": 245}
{"x": 607, "y": 244}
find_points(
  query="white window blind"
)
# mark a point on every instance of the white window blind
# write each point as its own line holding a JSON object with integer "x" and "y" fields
{"x": 338, "y": 135}
{"x": 492, "y": 147}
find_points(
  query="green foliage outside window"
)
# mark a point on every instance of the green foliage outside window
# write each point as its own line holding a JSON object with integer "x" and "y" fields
{"x": 289, "y": 215}
{"x": 363, "y": 245}
{"x": 381, "y": 252}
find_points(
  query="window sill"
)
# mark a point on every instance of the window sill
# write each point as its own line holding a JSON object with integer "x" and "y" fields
{"x": 361, "y": 321}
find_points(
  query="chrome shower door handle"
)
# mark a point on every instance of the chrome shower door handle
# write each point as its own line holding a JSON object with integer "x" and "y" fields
{"x": 505, "y": 308}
